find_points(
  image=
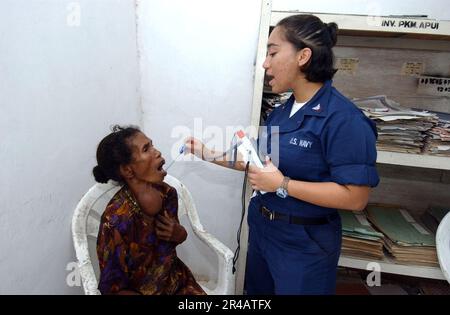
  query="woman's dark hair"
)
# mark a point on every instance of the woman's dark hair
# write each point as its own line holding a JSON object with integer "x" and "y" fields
{"x": 309, "y": 31}
{"x": 112, "y": 152}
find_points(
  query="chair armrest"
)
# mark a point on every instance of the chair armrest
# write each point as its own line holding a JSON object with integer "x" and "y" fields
{"x": 186, "y": 202}
{"x": 226, "y": 281}
{"x": 225, "y": 277}
{"x": 221, "y": 249}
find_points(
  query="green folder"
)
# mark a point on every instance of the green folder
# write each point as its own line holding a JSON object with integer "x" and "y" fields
{"x": 400, "y": 226}
{"x": 359, "y": 228}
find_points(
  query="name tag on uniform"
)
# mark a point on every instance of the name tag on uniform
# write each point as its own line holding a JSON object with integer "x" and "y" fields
{"x": 301, "y": 143}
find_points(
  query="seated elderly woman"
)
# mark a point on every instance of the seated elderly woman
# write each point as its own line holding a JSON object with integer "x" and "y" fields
{"x": 139, "y": 229}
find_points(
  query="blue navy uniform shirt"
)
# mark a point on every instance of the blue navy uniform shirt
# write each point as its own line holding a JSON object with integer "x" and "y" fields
{"x": 328, "y": 140}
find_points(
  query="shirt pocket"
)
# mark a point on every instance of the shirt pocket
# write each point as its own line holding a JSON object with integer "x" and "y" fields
{"x": 301, "y": 155}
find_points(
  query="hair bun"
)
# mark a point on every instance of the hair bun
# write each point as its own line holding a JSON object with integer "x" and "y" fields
{"x": 99, "y": 175}
{"x": 332, "y": 29}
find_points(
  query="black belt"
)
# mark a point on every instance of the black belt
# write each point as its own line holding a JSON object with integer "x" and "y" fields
{"x": 273, "y": 215}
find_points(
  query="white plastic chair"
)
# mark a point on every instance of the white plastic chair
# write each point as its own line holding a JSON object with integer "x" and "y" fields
{"x": 86, "y": 222}
{"x": 443, "y": 246}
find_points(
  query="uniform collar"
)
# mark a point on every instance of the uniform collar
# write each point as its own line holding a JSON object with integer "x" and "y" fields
{"x": 317, "y": 106}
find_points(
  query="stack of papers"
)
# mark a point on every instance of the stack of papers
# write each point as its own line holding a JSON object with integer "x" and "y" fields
{"x": 359, "y": 238}
{"x": 439, "y": 136}
{"x": 399, "y": 129}
{"x": 407, "y": 240}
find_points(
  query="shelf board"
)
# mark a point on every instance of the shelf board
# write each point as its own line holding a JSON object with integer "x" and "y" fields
{"x": 389, "y": 266}
{"x": 386, "y": 26}
{"x": 414, "y": 160}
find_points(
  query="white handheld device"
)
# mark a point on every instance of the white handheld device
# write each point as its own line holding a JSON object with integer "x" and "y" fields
{"x": 248, "y": 152}
{"x": 246, "y": 149}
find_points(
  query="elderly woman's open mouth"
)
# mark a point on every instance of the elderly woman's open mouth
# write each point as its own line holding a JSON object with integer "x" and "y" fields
{"x": 160, "y": 167}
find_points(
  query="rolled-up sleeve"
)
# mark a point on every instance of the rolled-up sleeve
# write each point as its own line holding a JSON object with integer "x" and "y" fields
{"x": 349, "y": 146}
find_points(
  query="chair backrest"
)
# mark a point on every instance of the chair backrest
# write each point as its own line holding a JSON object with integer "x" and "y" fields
{"x": 86, "y": 222}
{"x": 85, "y": 226}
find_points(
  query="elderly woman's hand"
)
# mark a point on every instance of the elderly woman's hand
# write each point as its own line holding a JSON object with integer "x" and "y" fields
{"x": 268, "y": 179}
{"x": 168, "y": 229}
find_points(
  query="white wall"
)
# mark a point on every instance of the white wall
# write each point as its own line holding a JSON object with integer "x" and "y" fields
{"x": 197, "y": 61}
{"x": 432, "y": 8}
{"x": 61, "y": 88}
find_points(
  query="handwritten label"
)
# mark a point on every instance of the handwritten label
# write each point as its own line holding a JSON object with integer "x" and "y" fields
{"x": 347, "y": 65}
{"x": 410, "y": 24}
{"x": 433, "y": 86}
{"x": 413, "y": 68}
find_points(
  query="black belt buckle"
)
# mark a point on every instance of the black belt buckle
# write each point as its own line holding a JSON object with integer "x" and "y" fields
{"x": 272, "y": 215}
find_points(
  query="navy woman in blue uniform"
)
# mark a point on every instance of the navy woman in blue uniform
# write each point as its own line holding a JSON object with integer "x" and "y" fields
{"x": 327, "y": 158}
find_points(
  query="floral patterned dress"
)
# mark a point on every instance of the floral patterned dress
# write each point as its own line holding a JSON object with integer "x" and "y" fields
{"x": 131, "y": 257}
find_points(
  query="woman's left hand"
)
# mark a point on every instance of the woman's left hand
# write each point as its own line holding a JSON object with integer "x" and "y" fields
{"x": 268, "y": 179}
{"x": 168, "y": 229}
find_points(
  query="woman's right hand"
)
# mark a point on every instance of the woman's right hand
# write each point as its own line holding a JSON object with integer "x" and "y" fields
{"x": 197, "y": 148}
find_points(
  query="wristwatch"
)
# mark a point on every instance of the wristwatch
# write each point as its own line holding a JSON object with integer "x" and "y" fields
{"x": 282, "y": 190}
